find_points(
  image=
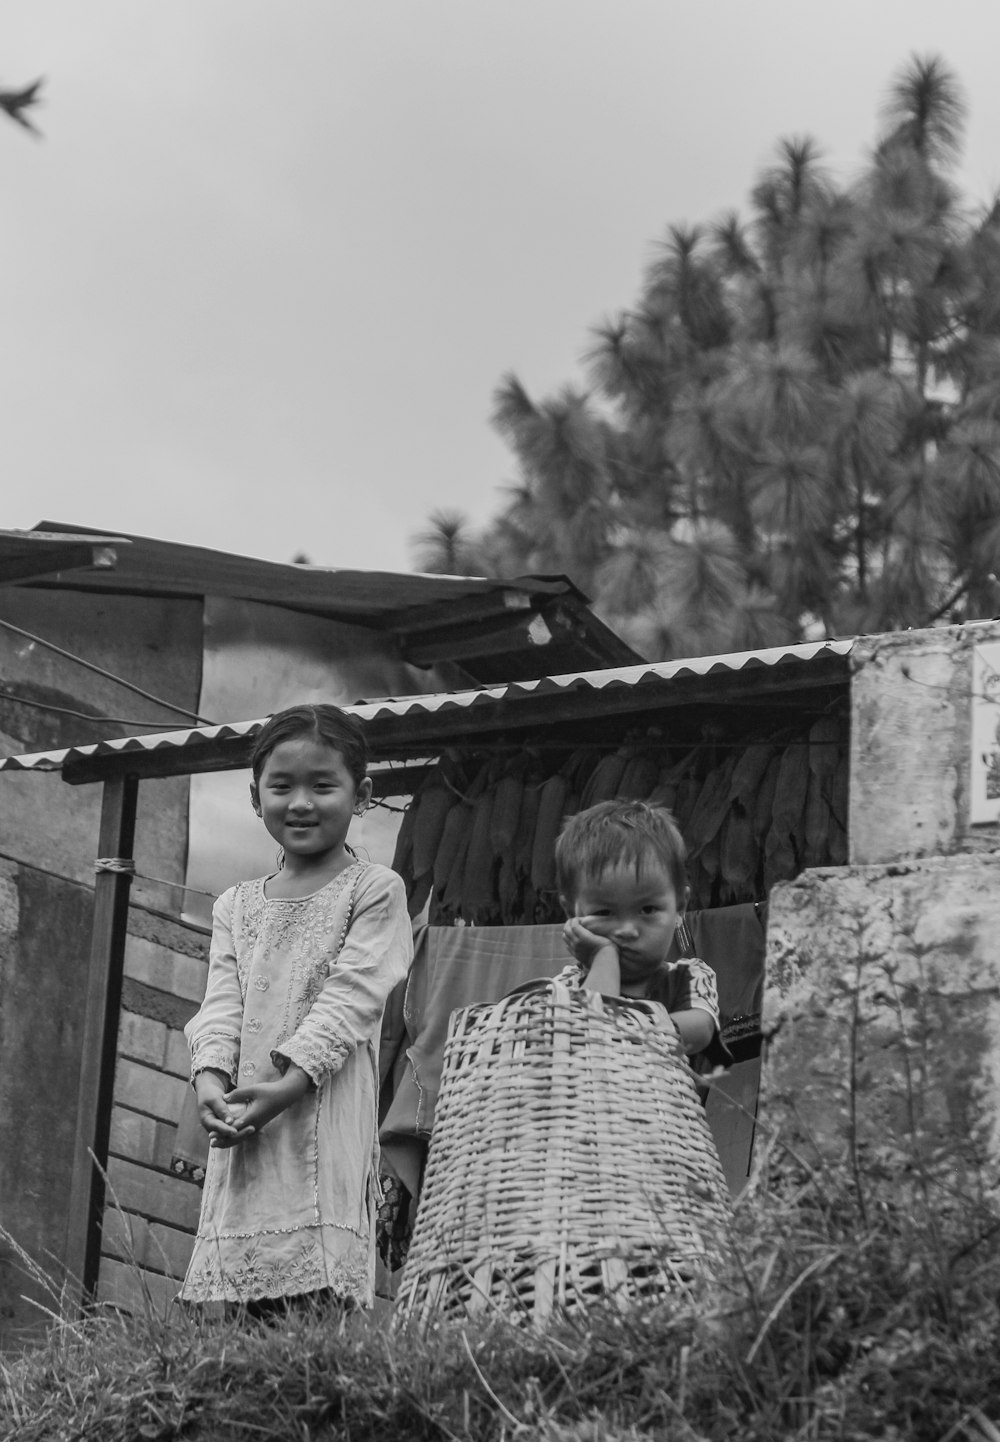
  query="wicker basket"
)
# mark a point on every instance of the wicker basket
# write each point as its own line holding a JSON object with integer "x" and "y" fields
{"x": 570, "y": 1161}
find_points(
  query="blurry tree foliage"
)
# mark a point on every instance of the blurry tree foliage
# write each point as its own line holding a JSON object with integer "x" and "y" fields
{"x": 795, "y": 430}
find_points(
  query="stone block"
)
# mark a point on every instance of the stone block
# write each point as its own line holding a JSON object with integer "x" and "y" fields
{"x": 157, "y": 1196}
{"x": 147, "y": 1089}
{"x": 883, "y": 1009}
{"x": 158, "y": 966}
{"x": 141, "y": 1039}
{"x": 133, "y": 1135}
{"x": 129, "y": 1288}
{"x": 177, "y": 1059}
{"x": 148, "y": 1245}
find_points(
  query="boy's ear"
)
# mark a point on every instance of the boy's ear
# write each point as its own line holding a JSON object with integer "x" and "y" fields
{"x": 682, "y": 901}
{"x": 255, "y": 797}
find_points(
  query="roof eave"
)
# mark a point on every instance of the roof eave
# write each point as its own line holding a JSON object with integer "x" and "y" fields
{"x": 417, "y": 725}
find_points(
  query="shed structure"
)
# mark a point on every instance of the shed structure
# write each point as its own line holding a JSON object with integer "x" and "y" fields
{"x": 145, "y": 973}
{"x": 899, "y": 707}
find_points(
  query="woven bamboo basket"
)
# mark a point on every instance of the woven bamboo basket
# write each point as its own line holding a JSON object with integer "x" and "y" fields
{"x": 570, "y": 1161}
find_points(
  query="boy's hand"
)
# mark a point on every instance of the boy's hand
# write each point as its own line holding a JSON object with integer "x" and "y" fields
{"x": 254, "y": 1106}
{"x": 584, "y": 943}
{"x": 597, "y": 955}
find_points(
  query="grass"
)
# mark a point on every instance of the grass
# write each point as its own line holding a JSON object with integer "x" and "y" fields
{"x": 862, "y": 1302}
{"x": 847, "y": 1316}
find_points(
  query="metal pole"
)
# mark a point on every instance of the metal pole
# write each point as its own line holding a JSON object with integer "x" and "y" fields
{"x": 100, "y": 1035}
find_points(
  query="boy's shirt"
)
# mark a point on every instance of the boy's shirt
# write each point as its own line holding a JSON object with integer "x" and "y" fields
{"x": 679, "y": 986}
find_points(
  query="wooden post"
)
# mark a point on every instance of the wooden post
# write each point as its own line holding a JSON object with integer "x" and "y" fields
{"x": 100, "y": 1035}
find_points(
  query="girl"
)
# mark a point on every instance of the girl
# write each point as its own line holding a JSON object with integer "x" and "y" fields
{"x": 283, "y": 1048}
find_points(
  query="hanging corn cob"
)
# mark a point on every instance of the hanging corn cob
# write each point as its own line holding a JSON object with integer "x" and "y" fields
{"x": 506, "y": 811}
{"x": 604, "y": 780}
{"x": 790, "y": 790}
{"x": 486, "y": 845}
{"x": 454, "y": 836}
{"x": 436, "y": 799}
{"x": 763, "y": 803}
{"x": 711, "y": 807}
{"x": 551, "y": 809}
{"x": 478, "y": 880}
{"x": 524, "y": 837}
{"x": 668, "y": 781}
{"x": 749, "y": 772}
{"x": 738, "y": 851}
{"x": 816, "y": 822}
{"x": 509, "y": 891}
{"x": 640, "y": 776}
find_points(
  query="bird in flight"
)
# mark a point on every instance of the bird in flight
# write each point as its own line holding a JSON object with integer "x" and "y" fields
{"x": 15, "y": 102}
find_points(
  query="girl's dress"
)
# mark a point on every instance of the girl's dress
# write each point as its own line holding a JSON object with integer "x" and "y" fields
{"x": 291, "y": 1209}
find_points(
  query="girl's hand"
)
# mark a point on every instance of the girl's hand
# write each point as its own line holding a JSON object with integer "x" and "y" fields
{"x": 256, "y": 1105}
{"x": 585, "y": 944}
{"x": 214, "y": 1112}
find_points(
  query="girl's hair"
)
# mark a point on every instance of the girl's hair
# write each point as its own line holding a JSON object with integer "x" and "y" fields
{"x": 323, "y": 723}
{"x": 614, "y": 834}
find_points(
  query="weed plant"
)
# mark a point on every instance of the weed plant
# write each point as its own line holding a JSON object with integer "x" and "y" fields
{"x": 862, "y": 1303}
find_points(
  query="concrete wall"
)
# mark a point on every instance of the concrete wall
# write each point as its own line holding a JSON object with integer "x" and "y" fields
{"x": 883, "y": 1004}
{"x": 911, "y": 716}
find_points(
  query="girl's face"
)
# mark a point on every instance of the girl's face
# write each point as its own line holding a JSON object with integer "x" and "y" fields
{"x": 306, "y": 797}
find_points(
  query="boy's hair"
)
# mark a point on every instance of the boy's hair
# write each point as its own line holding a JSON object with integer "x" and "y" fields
{"x": 321, "y": 722}
{"x": 614, "y": 834}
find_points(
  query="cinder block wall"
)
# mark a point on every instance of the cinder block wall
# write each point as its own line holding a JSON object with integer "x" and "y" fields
{"x": 152, "y": 1213}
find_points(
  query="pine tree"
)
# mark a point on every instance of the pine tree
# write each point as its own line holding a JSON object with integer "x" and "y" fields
{"x": 795, "y": 431}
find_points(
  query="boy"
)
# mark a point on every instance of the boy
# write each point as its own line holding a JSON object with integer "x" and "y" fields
{"x": 620, "y": 871}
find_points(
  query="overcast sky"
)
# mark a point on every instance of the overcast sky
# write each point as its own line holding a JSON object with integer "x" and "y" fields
{"x": 272, "y": 257}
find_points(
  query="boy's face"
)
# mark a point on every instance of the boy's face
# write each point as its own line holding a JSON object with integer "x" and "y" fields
{"x": 638, "y": 913}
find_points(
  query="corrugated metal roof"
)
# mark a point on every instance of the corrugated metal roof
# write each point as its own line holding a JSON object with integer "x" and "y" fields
{"x": 804, "y": 656}
{"x": 146, "y": 565}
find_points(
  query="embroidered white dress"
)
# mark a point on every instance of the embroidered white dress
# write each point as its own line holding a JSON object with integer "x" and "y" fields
{"x": 291, "y": 1210}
